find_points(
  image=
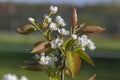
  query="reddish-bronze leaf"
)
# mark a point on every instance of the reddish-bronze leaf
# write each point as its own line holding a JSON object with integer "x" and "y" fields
{"x": 80, "y": 26}
{"x": 26, "y": 29}
{"x": 73, "y": 62}
{"x": 31, "y": 62}
{"x": 92, "y": 29}
{"x": 41, "y": 46}
{"x": 92, "y": 77}
{"x": 32, "y": 67}
{"x": 74, "y": 16}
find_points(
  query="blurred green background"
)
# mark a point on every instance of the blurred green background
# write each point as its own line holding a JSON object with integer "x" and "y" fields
{"x": 15, "y": 48}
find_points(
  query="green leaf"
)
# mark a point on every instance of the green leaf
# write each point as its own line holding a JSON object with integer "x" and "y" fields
{"x": 68, "y": 42}
{"x": 26, "y": 29}
{"x": 73, "y": 62}
{"x": 85, "y": 56}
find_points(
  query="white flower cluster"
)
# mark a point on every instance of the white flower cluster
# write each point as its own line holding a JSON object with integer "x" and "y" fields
{"x": 60, "y": 21}
{"x": 62, "y": 31}
{"x": 54, "y": 9}
{"x": 47, "y": 60}
{"x": 30, "y": 19}
{"x": 56, "y": 43}
{"x": 53, "y": 26}
{"x": 84, "y": 41}
{"x": 49, "y": 20}
{"x": 74, "y": 36}
{"x": 13, "y": 77}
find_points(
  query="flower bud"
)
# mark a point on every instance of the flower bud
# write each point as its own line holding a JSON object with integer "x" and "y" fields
{"x": 54, "y": 9}
{"x": 74, "y": 36}
{"x": 31, "y": 19}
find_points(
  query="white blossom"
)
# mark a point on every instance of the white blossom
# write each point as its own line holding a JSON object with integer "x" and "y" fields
{"x": 53, "y": 26}
{"x": 56, "y": 43}
{"x": 37, "y": 56}
{"x": 74, "y": 36}
{"x": 84, "y": 41}
{"x": 62, "y": 31}
{"x": 31, "y": 19}
{"x": 54, "y": 9}
{"x": 53, "y": 57}
{"x": 48, "y": 18}
{"x": 91, "y": 45}
{"x": 53, "y": 44}
{"x": 23, "y": 78}
{"x": 48, "y": 60}
{"x": 51, "y": 62}
{"x": 42, "y": 54}
{"x": 60, "y": 21}
{"x": 9, "y": 77}
{"x": 13, "y": 77}
{"x": 44, "y": 60}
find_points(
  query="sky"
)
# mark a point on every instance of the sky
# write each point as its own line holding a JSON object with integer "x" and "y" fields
{"x": 77, "y": 2}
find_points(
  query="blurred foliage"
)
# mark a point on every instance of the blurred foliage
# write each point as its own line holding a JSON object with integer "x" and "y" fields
{"x": 88, "y": 19}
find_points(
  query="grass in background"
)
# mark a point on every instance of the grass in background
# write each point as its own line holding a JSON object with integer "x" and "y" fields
{"x": 106, "y": 43}
{"x": 13, "y": 53}
{"x": 106, "y": 69}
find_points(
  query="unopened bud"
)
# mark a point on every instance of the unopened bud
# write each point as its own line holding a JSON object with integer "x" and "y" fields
{"x": 31, "y": 19}
{"x": 74, "y": 36}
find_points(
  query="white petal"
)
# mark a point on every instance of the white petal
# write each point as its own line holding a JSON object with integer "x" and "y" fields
{"x": 51, "y": 63}
{"x": 60, "y": 21}
{"x": 53, "y": 26}
{"x": 37, "y": 56}
{"x": 42, "y": 54}
{"x": 74, "y": 36}
{"x": 31, "y": 19}
{"x": 62, "y": 31}
{"x": 59, "y": 41}
{"x": 53, "y": 44}
{"x": 54, "y": 9}
{"x": 23, "y": 78}
{"x": 49, "y": 20}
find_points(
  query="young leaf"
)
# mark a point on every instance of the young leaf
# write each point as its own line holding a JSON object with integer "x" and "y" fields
{"x": 92, "y": 77}
{"x": 26, "y": 29}
{"x": 92, "y": 29}
{"x": 80, "y": 26}
{"x": 41, "y": 46}
{"x": 67, "y": 71}
{"x": 31, "y": 62}
{"x": 74, "y": 16}
{"x": 85, "y": 56}
{"x": 73, "y": 62}
{"x": 32, "y": 67}
{"x": 68, "y": 43}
